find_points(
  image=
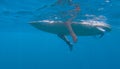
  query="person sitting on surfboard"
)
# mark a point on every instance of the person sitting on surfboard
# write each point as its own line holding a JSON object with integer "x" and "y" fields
{"x": 72, "y": 15}
{"x": 68, "y": 15}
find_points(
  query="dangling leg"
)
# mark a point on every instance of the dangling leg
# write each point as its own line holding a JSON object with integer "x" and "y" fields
{"x": 69, "y": 21}
{"x": 63, "y": 37}
{"x": 71, "y": 31}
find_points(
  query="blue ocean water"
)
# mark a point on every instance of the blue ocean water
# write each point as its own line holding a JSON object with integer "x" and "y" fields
{"x": 24, "y": 47}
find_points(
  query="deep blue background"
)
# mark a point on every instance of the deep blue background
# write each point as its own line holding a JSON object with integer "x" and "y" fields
{"x": 24, "y": 47}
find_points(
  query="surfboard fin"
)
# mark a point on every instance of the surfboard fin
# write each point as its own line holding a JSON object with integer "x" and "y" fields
{"x": 101, "y": 35}
{"x": 63, "y": 37}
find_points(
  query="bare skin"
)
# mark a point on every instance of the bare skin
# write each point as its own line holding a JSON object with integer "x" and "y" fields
{"x": 68, "y": 25}
{"x": 73, "y": 14}
{"x": 63, "y": 37}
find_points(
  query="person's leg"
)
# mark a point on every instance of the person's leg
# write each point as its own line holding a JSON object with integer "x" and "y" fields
{"x": 63, "y": 37}
{"x": 71, "y": 31}
{"x": 73, "y": 14}
{"x": 69, "y": 21}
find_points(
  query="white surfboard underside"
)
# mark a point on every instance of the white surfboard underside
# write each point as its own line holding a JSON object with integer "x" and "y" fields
{"x": 83, "y": 28}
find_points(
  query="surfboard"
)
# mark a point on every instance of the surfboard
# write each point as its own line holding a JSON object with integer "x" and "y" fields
{"x": 83, "y": 28}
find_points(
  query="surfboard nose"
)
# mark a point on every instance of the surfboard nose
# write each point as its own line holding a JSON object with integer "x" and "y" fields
{"x": 34, "y": 22}
{"x": 37, "y": 23}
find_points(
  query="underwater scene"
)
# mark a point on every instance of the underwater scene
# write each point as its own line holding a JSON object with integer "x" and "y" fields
{"x": 59, "y": 34}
